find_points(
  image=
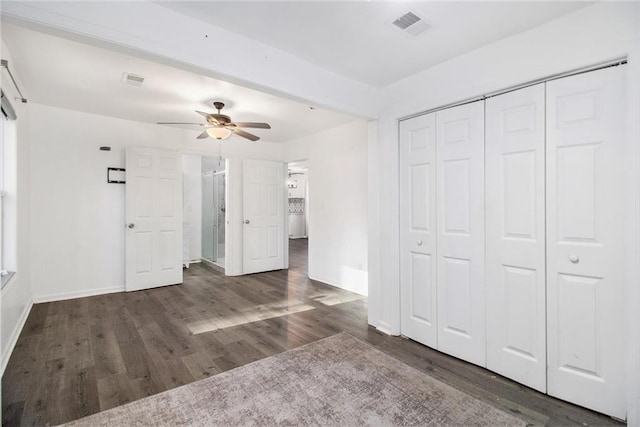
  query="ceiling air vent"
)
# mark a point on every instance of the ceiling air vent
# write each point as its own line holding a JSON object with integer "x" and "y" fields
{"x": 411, "y": 24}
{"x": 132, "y": 79}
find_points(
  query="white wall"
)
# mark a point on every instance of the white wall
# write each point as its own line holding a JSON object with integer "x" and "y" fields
{"x": 373, "y": 224}
{"x": 77, "y": 219}
{"x": 233, "y": 238}
{"x": 192, "y": 202}
{"x": 337, "y": 204}
{"x": 16, "y": 297}
{"x": 633, "y": 416}
{"x": 236, "y": 148}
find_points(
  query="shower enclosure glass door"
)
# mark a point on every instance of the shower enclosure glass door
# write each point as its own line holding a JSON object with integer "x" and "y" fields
{"x": 219, "y": 217}
{"x": 213, "y": 216}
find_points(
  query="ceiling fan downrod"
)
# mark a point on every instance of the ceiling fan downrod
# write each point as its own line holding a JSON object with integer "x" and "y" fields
{"x": 218, "y": 105}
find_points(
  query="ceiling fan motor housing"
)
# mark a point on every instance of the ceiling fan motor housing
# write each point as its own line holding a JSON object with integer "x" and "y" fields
{"x": 218, "y": 119}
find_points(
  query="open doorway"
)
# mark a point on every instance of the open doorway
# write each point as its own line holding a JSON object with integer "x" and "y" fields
{"x": 204, "y": 210}
{"x": 298, "y": 215}
{"x": 214, "y": 208}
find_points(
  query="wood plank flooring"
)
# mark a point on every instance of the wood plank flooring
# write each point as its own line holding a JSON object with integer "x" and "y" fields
{"x": 82, "y": 356}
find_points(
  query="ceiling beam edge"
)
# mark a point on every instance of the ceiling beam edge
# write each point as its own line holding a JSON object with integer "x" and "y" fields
{"x": 160, "y": 34}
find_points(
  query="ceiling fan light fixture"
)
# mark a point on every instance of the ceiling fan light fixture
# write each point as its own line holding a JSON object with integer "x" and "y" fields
{"x": 222, "y": 126}
{"x": 219, "y": 133}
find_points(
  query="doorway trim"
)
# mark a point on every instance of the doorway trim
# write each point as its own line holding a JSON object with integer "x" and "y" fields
{"x": 205, "y": 153}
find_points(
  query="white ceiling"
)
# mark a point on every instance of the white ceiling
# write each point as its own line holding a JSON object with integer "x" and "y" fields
{"x": 64, "y": 73}
{"x": 356, "y": 39}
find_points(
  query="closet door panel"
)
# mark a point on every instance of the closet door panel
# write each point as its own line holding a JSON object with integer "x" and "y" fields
{"x": 515, "y": 236}
{"x": 460, "y": 245}
{"x": 417, "y": 234}
{"x": 586, "y": 192}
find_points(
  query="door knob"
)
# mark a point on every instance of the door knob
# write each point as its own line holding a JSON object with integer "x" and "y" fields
{"x": 131, "y": 225}
{"x": 419, "y": 242}
{"x": 246, "y": 221}
{"x": 574, "y": 259}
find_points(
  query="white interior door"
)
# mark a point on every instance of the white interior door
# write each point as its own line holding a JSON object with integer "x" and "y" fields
{"x": 586, "y": 232}
{"x": 418, "y": 229}
{"x": 460, "y": 246}
{"x": 263, "y": 207}
{"x": 154, "y": 218}
{"x": 515, "y": 236}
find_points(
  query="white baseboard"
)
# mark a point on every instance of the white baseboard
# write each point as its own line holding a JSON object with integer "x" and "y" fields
{"x": 77, "y": 294}
{"x": 348, "y": 287}
{"x": 384, "y": 328}
{"x": 15, "y": 335}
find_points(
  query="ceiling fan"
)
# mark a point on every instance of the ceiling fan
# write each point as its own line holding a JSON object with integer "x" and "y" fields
{"x": 222, "y": 127}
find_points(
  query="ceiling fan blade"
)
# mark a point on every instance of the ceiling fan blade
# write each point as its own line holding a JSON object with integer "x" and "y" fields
{"x": 244, "y": 134}
{"x": 213, "y": 119}
{"x": 203, "y": 135}
{"x": 180, "y": 123}
{"x": 252, "y": 125}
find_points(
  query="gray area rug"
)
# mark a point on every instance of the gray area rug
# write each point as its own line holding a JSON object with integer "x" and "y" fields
{"x": 339, "y": 380}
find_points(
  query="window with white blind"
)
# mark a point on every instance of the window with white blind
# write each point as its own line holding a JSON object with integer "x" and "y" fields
{"x": 8, "y": 197}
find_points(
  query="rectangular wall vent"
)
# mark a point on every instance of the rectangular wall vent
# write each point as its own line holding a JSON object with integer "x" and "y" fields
{"x": 411, "y": 24}
{"x": 406, "y": 20}
{"x": 132, "y": 79}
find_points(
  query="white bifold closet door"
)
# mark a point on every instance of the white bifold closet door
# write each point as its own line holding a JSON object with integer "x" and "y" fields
{"x": 417, "y": 229}
{"x": 586, "y": 234}
{"x": 515, "y": 246}
{"x": 460, "y": 237}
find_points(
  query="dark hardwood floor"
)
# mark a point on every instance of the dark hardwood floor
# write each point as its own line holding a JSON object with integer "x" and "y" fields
{"x": 82, "y": 356}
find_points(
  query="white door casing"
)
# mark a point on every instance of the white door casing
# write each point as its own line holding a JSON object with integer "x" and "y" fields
{"x": 460, "y": 238}
{"x": 418, "y": 229}
{"x": 586, "y": 240}
{"x": 264, "y": 187}
{"x": 515, "y": 235}
{"x": 153, "y": 195}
